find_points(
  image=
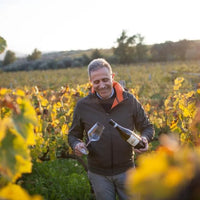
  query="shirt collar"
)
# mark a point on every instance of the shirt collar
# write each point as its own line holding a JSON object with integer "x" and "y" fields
{"x": 108, "y": 97}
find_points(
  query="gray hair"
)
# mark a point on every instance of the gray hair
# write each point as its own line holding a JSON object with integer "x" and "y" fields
{"x": 98, "y": 64}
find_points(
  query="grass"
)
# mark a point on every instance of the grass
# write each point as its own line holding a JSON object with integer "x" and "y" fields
{"x": 45, "y": 79}
{"x": 158, "y": 76}
{"x": 59, "y": 179}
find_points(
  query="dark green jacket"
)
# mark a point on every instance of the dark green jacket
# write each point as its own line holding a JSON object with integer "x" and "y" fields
{"x": 111, "y": 154}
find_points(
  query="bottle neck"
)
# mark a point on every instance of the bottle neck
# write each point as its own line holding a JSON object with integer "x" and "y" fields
{"x": 115, "y": 125}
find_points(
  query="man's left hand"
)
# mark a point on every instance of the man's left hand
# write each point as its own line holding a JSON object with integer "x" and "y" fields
{"x": 144, "y": 139}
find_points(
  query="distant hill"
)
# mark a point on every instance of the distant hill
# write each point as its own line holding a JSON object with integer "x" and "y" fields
{"x": 73, "y": 54}
{"x": 60, "y": 55}
{"x": 55, "y": 60}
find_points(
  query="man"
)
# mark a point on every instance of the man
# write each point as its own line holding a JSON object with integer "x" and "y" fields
{"x": 110, "y": 157}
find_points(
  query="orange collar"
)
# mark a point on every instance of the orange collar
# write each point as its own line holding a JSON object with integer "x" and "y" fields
{"x": 119, "y": 94}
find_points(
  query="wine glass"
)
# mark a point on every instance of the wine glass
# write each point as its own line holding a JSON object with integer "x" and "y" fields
{"x": 94, "y": 134}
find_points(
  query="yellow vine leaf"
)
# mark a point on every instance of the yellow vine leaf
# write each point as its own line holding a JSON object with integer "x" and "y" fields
{"x": 20, "y": 93}
{"x": 58, "y": 105}
{"x": 190, "y": 94}
{"x": 3, "y": 124}
{"x": 55, "y": 122}
{"x": 150, "y": 169}
{"x": 173, "y": 125}
{"x": 15, "y": 192}
{"x": 178, "y": 80}
{"x": 176, "y": 87}
{"x": 147, "y": 107}
{"x": 186, "y": 112}
{"x": 44, "y": 102}
{"x": 3, "y": 91}
{"x": 175, "y": 103}
{"x": 23, "y": 166}
{"x": 173, "y": 177}
{"x": 178, "y": 83}
{"x": 166, "y": 102}
{"x": 64, "y": 129}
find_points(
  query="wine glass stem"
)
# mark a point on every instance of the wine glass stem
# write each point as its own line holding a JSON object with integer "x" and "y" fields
{"x": 88, "y": 143}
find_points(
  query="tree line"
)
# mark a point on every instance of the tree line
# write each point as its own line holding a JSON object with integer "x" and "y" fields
{"x": 129, "y": 49}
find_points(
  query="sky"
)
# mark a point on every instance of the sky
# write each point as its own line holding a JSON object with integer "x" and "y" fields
{"x": 62, "y": 25}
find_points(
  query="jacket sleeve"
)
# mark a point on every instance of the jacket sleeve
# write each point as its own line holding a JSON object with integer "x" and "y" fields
{"x": 142, "y": 122}
{"x": 75, "y": 134}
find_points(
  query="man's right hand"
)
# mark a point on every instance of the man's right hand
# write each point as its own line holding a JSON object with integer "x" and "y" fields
{"x": 80, "y": 149}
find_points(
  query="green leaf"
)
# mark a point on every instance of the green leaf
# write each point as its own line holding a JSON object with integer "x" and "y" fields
{"x": 25, "y": 121}
{"x": 15, "y": 156}
{"x": 3, "y": 44}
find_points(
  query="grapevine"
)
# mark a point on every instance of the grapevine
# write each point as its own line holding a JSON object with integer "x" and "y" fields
{"x": 34, "y": 126}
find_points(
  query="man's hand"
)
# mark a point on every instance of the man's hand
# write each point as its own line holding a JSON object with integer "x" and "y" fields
{"x": 80, "y": 149}
{"x": 144, "y": 139}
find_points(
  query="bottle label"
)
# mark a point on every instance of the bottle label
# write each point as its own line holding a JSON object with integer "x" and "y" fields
{"x": 133, "y": 140}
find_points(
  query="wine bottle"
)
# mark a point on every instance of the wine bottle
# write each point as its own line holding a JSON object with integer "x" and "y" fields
{"x": 128, "y": 135}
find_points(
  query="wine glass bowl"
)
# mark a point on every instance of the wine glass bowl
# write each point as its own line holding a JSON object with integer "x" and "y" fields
{"x": 95, "y": 132}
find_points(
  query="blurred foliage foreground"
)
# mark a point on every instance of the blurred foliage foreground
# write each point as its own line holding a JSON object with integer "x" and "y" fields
{"x": 34, "y": 126}
{"x": 172, "y": 171}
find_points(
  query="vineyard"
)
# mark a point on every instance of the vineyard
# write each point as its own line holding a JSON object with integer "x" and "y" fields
{"x": 36, "y": 161}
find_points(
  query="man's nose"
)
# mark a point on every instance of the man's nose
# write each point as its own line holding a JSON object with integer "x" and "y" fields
{"x": 101, "y": 84}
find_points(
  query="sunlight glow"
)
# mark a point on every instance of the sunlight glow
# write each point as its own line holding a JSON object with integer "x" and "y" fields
{"x": 61, "y": 25}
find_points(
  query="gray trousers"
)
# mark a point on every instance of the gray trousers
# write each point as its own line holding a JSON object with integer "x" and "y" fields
{"x": 108, "y": 187}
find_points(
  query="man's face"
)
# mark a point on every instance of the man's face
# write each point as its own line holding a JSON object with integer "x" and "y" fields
{"x": 102, "y": 82}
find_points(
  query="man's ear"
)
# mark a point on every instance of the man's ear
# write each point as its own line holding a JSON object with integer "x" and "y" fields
{"x": 113, "y": 75}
